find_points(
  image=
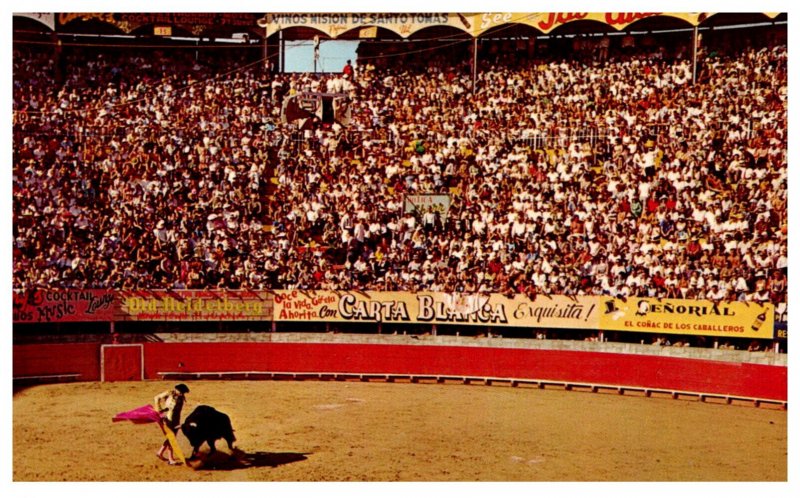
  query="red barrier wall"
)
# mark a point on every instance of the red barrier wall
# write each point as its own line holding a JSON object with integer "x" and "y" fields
{"x": 713, "y": 377}
{"x": 57, "y": 359}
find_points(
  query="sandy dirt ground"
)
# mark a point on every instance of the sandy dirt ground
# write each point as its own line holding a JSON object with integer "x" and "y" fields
{"x": 332, "y": 431}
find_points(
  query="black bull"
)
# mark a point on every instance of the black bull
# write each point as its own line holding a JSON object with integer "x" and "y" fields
{"x": 205, "y": 424}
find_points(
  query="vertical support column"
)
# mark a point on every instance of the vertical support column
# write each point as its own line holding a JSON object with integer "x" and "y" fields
{"x": 694, "y": 55}
{"x": 264, "y": 22}
{"x": 474, "y": 62}
{"x": 280, "y": 53}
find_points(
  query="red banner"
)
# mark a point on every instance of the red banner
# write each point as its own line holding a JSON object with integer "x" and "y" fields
{"x": 63, "y": 305}
{"x": 55, "y": 306}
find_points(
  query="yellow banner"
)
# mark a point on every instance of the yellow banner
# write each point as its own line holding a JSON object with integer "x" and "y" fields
{"x": 688, "y": 317}
{"x": 438, "y": 308}
{"x": 194, "y": 305}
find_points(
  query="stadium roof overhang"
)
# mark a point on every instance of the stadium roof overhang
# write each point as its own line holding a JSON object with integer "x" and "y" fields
{"x": 387, "y": 25}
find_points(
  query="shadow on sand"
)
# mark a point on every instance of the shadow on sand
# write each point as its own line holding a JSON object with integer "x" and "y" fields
{"x": 244, "y": 460}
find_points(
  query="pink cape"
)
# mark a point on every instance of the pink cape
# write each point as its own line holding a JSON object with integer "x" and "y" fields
{"x": 142, "y": 415}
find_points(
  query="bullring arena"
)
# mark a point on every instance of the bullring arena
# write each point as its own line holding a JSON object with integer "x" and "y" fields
{"x": 353, "y": 431}
{"x": 414, "y": 420}
{"x": 509, "y": 247}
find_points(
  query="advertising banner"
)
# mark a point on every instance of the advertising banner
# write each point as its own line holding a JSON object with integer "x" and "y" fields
{"x": 689, "y": 317}
{"x": 649, "y": 315}
{"x": 64, "y": 305}
{"x": 335, "y": 23}
{"x": 782, "y": 321}
{"x": 438, "y": 308}
{"x": 548, "y": 21}
{"x": 194, "y": 22}
{"x": 419, "y": 204}
{"x": 781, "y": 330}
{"x": 475, "y": 24}
{"x": 198, "y": 305}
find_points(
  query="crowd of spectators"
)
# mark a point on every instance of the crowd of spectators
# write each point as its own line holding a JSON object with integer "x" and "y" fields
{"x": 619, "y": 177}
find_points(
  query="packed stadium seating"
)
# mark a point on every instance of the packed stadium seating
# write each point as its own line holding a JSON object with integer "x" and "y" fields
{"x": 616, "y": 176}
